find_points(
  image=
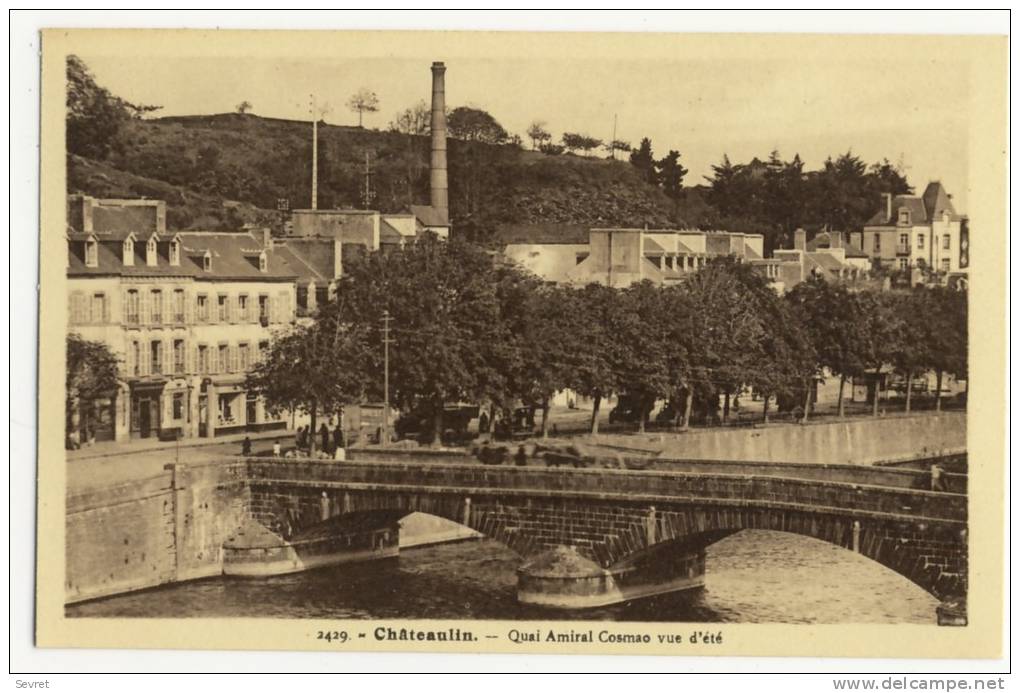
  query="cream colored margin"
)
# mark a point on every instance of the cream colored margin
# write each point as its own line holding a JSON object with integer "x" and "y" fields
{"x": 986, "y": 426}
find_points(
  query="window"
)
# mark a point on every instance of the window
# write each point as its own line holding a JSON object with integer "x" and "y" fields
{"x": 242, "y": 308}
{"x": 131, "y": 307}
{"x": 904, "y": 216}
{"x": 263, "y": 262}
{"x": 202, "y": 307}
{"x": 92, "y": 253}
{"x": 150, "y": 252}
{"x": 157, "y": 306}
{"x": 99, "y": 307}
{"x": 129, "y": 251}
{"x": 920, "y": 241}
{"x": 178, "y": 305}
{"x": 224, "y": 358}
{"x": 263, "y": 350}
{"x": 878, "y": 242}
{"x": 945, "y": 264}
{"x": 156, "y": 351}
{"x": 243, "y": 356}
{"x": 945, "y": 242}
{"x": 178, "y": 406}
{"x": 136, "y": 358}
{"x": 903, "y": 263}
{"x": 264, "y": 309}
{"x": 321, "y": 295}
{"x": 207, "y": 261}
{"x": 178, "y": 356}
{"x": 221, "y": 308}
{"x": 175, "y": 253}
{"x": 203, "y": 359}
{"x": 904, "y": 239}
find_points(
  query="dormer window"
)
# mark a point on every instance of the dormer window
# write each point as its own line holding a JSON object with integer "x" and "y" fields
{"x": 904, "y": 216}
{"x": 175, "y": 253}
{"x": 207, "y": 261}
{"x": 150, "y": 252}
{"x": 263, "y": 262}
{"x": 129, "y": 251}
{"x": 91, "y": 252}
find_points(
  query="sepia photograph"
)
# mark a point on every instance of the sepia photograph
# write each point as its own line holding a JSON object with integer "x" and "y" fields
{"x": 472, "y": 341}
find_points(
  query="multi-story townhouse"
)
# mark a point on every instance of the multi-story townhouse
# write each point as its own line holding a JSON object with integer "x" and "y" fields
{"x": 187, "y": 314}
{"x": 912, "y": 233}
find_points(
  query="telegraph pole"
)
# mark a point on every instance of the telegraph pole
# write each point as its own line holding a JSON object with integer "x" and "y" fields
{"x": 367, "y": 195}
{"x": 315, "y": 156}
{"x": 385, "y": 438}
{"x": 612, "y": 142}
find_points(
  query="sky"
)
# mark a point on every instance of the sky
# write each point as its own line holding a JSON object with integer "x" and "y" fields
{"x": 912, "y": 111}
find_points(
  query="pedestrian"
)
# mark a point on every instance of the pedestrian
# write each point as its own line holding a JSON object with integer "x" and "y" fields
{"x": 338, "y": 438}
{"x": 324, "y": 435}
{"x": 483, "y": 423}
{"x": 299, "y": 438}
{"x": 276, "y": 449}
{"x": 246, "y": 447}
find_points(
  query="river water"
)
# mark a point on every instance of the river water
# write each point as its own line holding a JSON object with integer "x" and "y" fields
{"x": 751, "y": 577}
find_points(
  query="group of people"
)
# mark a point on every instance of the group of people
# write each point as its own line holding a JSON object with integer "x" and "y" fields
{"x": 330, "y": 440}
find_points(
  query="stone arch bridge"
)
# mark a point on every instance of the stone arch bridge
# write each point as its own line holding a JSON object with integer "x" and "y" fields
{"x": 590, "y": 537}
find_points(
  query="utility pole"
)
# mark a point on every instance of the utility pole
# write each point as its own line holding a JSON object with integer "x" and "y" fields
{"x": 367, "y": 195}
{"x": 315, "y": 156}
{"x": 385, "y": 437}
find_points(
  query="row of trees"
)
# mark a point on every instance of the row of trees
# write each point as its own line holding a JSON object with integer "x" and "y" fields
{"x": 469, "y": 327}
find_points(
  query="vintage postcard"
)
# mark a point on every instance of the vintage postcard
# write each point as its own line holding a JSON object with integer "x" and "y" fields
{"x": 522, "y": 343}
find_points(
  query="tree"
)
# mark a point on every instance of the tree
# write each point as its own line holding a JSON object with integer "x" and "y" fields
{"x": 449, "y": 345}
{"x": 363, "y": 101}
{"x": 94, "y": 115}
{"x": 617, "y": 146}
{"x": 642, "y": 159}
{"x": 670, "y": 174}
{"x": 317, "y": 368}
{"x": 538, "y": 134}
{"x": 413, "y": 120}
{"x": 601, "y": 355}
{"x": 834, "y": 323}
{"x": 91, "y": 375}
{"x": 243, "y": 107}
{"x": 880, "y": 336}
{"x": 572, "y": 141}
{"x": 644, "y": 351}
{"x": 551, "y": 148}
{"x": 475, "y": 125}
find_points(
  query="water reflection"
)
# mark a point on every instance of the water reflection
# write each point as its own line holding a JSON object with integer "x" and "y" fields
{"x": 752, "y": 577}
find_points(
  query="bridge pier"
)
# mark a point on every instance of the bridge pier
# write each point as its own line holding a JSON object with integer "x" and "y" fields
{"x": 562, "y": 578}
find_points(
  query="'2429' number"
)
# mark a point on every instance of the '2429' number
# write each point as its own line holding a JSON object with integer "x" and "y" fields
{"x": 331, "y": 635}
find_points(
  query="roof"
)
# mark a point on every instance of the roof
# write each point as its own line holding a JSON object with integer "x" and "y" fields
{"x": 750, "y": 253}
{"x": 311, "y": 259}
{"x": 923, "y": 209}
{"x": 430, "y": 216}
{"x": 389, "y": 234}
{"x": 235, "y": 255}
{"x": 532, "y": 234}
{"x": 650, "y": 246}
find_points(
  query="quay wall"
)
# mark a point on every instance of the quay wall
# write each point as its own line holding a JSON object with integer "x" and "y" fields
{"x": 149, "y": 532}
{"x": 854, "y": 441}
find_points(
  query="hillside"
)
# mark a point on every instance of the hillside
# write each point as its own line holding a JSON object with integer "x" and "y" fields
{"x": 220, "y": 170}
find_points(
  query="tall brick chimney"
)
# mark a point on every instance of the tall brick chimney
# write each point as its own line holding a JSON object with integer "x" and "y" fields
{"x": 438, "y": 193}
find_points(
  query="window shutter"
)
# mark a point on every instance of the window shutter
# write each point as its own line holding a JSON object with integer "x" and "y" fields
{"x": 168, "y": 356}
{"x": 106, "y": 308}
{"x": 143, "y": 358}
{"x": 273, "y": 318}
{"x": 143, "y": 307}
{"x": 234, "y": 368}
{"x": 190, "y": 358}
{"x": 189, "y": 308}
{"x": 129, "y": 359}
{"x": 232, "y": 307}
{"x": 282, "y": 301}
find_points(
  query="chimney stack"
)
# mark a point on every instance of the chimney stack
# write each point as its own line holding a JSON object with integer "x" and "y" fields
{"x": 437, "y": 179}
{"x": 888, "y": 206}
{"x": 799, "y": 239}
